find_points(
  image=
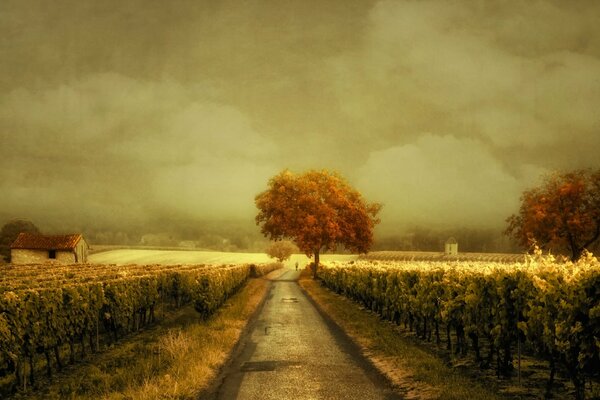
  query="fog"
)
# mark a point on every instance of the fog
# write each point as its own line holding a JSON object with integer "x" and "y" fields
{"x": 165, "y": 115}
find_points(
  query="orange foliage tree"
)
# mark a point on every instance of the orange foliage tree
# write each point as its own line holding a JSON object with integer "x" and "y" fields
{"x": 563, "y": 214}
{"x": 317, "y": 210}
{"x": 281, "y": 250}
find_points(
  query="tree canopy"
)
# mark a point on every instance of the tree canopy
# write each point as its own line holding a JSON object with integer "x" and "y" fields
{"x": 317, "y": 210}
{"x": 562, "y": 214}
{"x": 9, "y": 233}
{"x": 281, "y": 250}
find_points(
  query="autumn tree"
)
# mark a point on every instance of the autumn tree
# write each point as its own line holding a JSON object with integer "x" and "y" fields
{"x": 317, "y": 210}
{"x": 563, "y": 214}
{"x": 9, "y": 233}
{"x": 281, "y": 250}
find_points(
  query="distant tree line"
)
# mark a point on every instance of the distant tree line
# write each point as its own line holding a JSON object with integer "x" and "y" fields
{"x": 240, "y": 240}
{"x": 476, "y": 240}
{"x": 232, "y": 237}
{"x": 208, "y": 235}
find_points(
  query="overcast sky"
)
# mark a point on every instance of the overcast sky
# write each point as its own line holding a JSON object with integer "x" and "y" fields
{"x": 114, "y": 111}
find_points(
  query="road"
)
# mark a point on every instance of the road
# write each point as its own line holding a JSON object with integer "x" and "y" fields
{"x": 293, "y": 352}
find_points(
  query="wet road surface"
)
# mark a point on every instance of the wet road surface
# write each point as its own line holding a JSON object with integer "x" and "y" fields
{"x": 292, "y": 352}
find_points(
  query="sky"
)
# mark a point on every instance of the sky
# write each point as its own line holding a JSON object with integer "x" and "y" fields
{"x": 116, "y": 112}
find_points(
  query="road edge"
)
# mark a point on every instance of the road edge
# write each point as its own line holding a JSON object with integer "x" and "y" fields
{"x": 349, "y": 343}
{"x": 212, "y": 390}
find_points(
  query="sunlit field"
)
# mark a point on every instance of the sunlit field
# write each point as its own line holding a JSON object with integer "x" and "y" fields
{"x": 439, "y": 256}
{"x": 136, "y": 256}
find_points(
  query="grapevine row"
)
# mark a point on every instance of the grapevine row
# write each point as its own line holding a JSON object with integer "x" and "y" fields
{"x": 51, "y": 318}
{"x": 438, "y": 256}
{"x": 552, "y": 309}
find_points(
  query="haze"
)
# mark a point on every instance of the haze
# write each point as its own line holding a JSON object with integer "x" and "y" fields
{"x": 120, "y": 113}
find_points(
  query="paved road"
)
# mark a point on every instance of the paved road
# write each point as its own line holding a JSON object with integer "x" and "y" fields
{"x": 292, "y": 352}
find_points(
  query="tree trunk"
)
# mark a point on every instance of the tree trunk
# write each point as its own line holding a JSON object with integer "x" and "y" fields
{"x": 72, "y": 350}
{"x": 475, "y": 340}
{"x": 48, "y": 364}
{"x": 316, "y": 264}
{"x": 550, "y": 382}
{"x": 82, "y": 342}
{"x": 507, "y": 365}
{"x": 490, "y": 357}
{"x": 575, "y": 253}
{"x": 32, "y": 372}
{"x": 57, "y": 356}
{"x": 20, "y": 373}
{"x": 579, "y": 383}
{"x": 575, "y": 250}
{"x": 91, "y": 338}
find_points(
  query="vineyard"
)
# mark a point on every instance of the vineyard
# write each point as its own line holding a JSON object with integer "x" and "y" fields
{"x": 49, "y": 313}
{"x": 437, "y": 256}
{"x": 495, "y": 312}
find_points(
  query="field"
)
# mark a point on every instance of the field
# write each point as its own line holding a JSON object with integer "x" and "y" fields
{"x": 139, "y": 256}
{"x": 491, "y": 315}
{"x": 52, "y": 315}
{"x": 55, "y": 316}
{"x": 119, "y": 256}
{"x": 531, "y": 328}
{"x": 438, "y": 256}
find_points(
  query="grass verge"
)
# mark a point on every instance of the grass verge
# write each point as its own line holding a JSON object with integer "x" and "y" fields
{"x": 415, "y": 372}
{"x": 177, "y": 359}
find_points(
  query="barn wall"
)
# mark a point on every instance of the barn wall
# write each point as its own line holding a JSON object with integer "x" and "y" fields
{"x": 65, "y": 257}
{"x": 82, "y": 251}
{"x": 22, "y": 256}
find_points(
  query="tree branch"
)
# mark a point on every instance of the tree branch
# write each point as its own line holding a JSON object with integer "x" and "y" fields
{"x": 595, "y": 237}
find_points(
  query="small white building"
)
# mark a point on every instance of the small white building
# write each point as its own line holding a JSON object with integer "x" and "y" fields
{"x": 33, "y": 248}
{"x": 451, "y": 247}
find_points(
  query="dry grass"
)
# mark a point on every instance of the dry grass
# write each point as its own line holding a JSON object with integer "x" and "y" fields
{"x": 415, "y": 372}
{"x": 176, "y": 360}
{"x": 196, "y": 353}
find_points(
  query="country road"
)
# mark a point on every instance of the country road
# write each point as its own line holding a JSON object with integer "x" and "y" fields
{"x": 293, "y": 352}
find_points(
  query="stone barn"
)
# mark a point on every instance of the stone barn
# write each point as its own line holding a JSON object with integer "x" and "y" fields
{"x": 451, "y": 247}
{"x": 33, "y": 248}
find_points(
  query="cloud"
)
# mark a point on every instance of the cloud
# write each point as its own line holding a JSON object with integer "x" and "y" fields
{"x": 442, "y": 181}
{"x": 434, "y": 66}
{"x": 112, "y": 144}
{"x": 130, "y": 109}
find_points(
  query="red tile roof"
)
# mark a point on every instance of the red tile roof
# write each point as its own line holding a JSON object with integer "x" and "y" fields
{"x": 45, "y": 242}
